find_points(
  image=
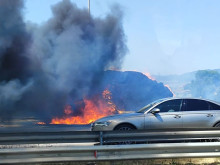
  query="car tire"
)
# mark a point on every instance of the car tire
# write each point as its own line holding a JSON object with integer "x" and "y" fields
{"x": 125, "y": 127}
{"x": 217, "y": 125}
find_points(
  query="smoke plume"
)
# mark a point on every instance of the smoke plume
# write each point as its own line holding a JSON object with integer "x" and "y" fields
{"x": 44, "y": 67}
{"x": 205, "y": 85}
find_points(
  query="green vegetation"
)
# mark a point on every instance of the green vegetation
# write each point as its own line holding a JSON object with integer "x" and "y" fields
{"x": 206, "y": 85}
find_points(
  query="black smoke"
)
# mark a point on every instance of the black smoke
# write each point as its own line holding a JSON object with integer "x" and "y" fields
{"x": 44, "y": 67}
{"x": 14, "y": 41}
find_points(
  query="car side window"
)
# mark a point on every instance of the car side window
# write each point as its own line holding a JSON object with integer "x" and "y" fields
{"x": 214, "y": 106}
{"x": 196, "y": 105}
{"x": 170, "y": 106}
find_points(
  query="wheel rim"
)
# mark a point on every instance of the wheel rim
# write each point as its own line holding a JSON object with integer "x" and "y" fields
{"x": 125, "y": 128}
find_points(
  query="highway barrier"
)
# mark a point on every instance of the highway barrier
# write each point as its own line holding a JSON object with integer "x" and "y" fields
{"x": 109, "y": 152}
{"x": 18, "y": 147}
{"x": 31, "y": 136}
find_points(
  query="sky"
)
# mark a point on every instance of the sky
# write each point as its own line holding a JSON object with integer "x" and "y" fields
{"x": 163, "y": 36}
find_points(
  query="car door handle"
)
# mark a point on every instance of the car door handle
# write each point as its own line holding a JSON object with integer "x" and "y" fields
{"x": 209, "y": 115}
{"x": 177, "y": 116}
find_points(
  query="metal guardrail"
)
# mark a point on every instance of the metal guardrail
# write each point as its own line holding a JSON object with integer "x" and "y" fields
{"x": 12, "y": 151}
{"x": 107, "y": 137}
{"x": 49, "y": 137}
{"x": 109, "y": 152}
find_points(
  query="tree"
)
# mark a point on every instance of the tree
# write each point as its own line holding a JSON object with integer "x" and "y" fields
{"x": 206, "y": 85}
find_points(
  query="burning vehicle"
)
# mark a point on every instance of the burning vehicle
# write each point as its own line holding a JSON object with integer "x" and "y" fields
{"x": 165, "y": 113}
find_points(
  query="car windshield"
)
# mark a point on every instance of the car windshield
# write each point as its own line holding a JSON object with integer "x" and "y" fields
{"x": 147, "y": 107}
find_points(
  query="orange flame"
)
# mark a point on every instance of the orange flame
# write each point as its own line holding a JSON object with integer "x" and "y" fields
{"x": 93, "y": 110}
{"x": 152, "y": 78}
{"x": 149, "y": 76}
{"x": 41, "y": 123}
{"x": 170, "y": 89}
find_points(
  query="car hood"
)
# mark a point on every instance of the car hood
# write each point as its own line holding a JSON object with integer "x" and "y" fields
{"x": 124, "y": 115}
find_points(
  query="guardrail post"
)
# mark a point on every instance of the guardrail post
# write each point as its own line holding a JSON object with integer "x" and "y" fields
{"x": 101, "y": 137}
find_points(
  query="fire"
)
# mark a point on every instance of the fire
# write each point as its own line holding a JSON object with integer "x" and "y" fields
{"x": 149, "y": 76}
{"x": 41, "y": 123}
{"x": 152, "y": 78}
{"x": 68, "y": 110}
{"x": 169, "y": 89}
{"x": 93, "y": 110}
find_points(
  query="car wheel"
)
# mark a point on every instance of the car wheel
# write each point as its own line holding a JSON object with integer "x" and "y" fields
{"x": 125, "y": 127}
{"x": 217, "y": 125}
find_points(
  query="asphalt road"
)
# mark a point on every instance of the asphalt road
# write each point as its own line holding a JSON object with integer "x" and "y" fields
{"x": 29, "y": 124}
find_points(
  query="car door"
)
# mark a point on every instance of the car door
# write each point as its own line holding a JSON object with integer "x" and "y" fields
{"x": 170, "y": 115}
{"x": 214, "y": 114}
{"x": 196, "y": 114}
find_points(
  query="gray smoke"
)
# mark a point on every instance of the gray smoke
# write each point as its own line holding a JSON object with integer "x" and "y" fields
{"x": 205, "y": 85}
{"x": 47, "y": 66}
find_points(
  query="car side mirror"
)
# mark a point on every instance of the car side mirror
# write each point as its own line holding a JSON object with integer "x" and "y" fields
{"x": 155, "y": 110}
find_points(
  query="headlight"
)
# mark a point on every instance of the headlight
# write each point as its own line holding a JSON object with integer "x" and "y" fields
{"x": 105, "y": 123}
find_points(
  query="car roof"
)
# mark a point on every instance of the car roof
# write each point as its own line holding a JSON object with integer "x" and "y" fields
{"x": 173, "y": 98}
{"x": 159, "y": 101}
